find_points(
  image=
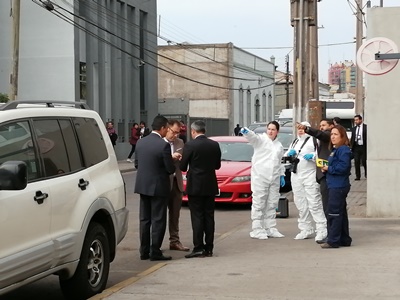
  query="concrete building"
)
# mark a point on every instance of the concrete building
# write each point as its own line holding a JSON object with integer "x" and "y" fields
{"x": 111, "y": 64}
{"x": 382, "y": 110}
{"x": 219, "y": 83}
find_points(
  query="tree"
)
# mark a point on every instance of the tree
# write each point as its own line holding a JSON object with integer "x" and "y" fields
{"x": 3, "y": 98}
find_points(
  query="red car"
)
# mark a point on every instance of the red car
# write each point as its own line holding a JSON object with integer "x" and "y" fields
{"x": 234, "y": 175}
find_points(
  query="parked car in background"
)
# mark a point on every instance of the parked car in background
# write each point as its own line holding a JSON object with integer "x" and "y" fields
{"x": 257, "y": 125}
{"x": 285, "y": 135}
{"x": 62, "y": 197}
{"x": 235, "y": 173}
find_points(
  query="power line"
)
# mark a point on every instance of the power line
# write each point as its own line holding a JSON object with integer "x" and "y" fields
{"x": 72, "y": 22}
{"x": 184, "y": 46}
{"x": 151, "y": 51}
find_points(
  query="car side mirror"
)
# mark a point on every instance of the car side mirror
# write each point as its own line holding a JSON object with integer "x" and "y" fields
{"x": 13, "y": 176}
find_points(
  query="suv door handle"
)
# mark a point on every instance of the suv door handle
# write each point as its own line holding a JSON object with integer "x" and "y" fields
{"x": 83, "y": 184}
{"x": 39, "y": 197}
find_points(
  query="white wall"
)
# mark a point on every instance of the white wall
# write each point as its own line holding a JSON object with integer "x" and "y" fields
{"x": 382, "y": 107}
{"x": 46, "y": 54}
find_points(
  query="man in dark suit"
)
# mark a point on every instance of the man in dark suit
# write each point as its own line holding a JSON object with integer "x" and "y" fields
{"x": 203, "y": 157}
{"x": 176, "y": 180}
{"x": 154, "y": 164}
{"x": 358, "y": 144}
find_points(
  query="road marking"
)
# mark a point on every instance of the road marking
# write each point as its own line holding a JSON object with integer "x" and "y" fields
{"x": 123, "y": 284}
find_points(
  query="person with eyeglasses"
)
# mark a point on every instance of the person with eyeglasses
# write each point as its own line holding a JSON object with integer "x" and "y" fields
{"x": 176, "y": 181}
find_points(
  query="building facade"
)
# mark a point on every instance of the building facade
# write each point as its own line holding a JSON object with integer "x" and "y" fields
{"x": 218, "y": 82}
{"x": 107, "y": 57}
{"x": 343, "y": 75}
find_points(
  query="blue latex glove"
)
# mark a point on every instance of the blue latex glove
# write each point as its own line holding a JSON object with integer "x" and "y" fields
{"x": 244, "y": 130}
{"x": 291, "y": 152}
{"x": 308, "y": 156}
{"x": 282, "y": 181}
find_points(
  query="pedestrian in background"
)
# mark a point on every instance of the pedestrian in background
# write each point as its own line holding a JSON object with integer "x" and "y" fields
{"x": 133, "y": 140}
{"x": 143, "y": 131}
{"x": 358, "y": 144}
{"x": 154, "y": 164}
{"x": 112, "y": 133}
{"x": 338, "y": 180}
{"x": 176, "y": 181}
{"x": 306, "y": 191}
{"x": 336, "y": 121}
{"x": 201, "y": 157}
{"x": 267, "y": 173}
{"x": 183, "y": 132}
{"x": 236, "y": 131}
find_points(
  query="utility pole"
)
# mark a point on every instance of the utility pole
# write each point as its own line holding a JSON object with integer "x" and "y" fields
{"x": 287, "y": 80}
{"x": 300, "y": 22}
{"x": 359, "y": 105}
{"x": 16, "y": 5}
{"x": 313, "y": 82}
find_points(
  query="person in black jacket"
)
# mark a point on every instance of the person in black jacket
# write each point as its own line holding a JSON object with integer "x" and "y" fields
{"x": 154, "y": 164}
{"x": 237, "y": 130}
{"x": 202, "y": 156}
{"x": 143, "y": 130}
{"x": 358, "y": 144}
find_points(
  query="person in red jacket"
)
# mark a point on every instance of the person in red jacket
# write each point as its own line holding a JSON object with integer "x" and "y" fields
{"x": 183, "y": 132}
{"x": 135, "y": 134}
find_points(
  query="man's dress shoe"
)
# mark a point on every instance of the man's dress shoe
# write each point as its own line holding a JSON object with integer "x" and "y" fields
{"x": 195, "y": 254}
{"x": 328, "y": 246}
{"x": 144, "y": 256}
{"x": 178, "y": 247}
{"x": 160, "y": 257}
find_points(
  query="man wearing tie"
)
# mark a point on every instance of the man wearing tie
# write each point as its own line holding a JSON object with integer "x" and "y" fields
{"x": 358, "y": 143}
{"x": 176, "y": 180}
{"x": 154, "y": 164}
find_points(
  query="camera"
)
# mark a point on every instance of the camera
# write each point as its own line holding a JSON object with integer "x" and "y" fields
{"x": 287, "y": 159}
{"x": 294, "y": 161}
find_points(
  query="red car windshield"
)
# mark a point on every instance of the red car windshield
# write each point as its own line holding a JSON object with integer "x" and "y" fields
{"x": 234, "y": 151}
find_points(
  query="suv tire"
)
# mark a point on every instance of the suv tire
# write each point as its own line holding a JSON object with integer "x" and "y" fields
{"x": 91, "y": 275}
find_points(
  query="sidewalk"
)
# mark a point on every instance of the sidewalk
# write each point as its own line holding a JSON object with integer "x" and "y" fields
{"x": 245, "y": 268}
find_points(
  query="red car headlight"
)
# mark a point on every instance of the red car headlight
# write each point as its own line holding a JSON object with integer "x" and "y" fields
{"x": 241, "y": 178}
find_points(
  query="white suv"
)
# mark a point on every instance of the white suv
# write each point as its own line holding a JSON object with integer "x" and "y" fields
{"x": 62, "y": 197}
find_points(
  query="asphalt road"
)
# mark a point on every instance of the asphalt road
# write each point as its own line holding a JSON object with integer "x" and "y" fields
{"x": 127, "y": 263}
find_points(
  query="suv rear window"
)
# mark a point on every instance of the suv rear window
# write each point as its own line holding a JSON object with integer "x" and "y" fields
{"x": 91, "y": 141}
{"x": 58, "y": 147}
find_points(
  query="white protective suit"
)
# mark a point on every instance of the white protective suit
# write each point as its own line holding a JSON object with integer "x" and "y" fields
{"x": 265, "y": 181}
{"x": 306, "y": 192}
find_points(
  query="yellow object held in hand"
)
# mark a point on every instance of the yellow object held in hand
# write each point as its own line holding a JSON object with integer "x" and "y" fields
{"x": 321, "y": 162}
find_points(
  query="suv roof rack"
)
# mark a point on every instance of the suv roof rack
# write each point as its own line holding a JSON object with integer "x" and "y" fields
{"x": 14, "y": 104}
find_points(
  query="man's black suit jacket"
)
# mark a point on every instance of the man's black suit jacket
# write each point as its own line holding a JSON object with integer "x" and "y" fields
{"x": 323, "y": 150}
{"x": 154, "y": 164}
{"x": 354, "y": 133}
{"x": 203, "y": 157}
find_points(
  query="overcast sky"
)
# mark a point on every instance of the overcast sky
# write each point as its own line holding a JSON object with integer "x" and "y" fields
{"x": 261, "y": 23}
